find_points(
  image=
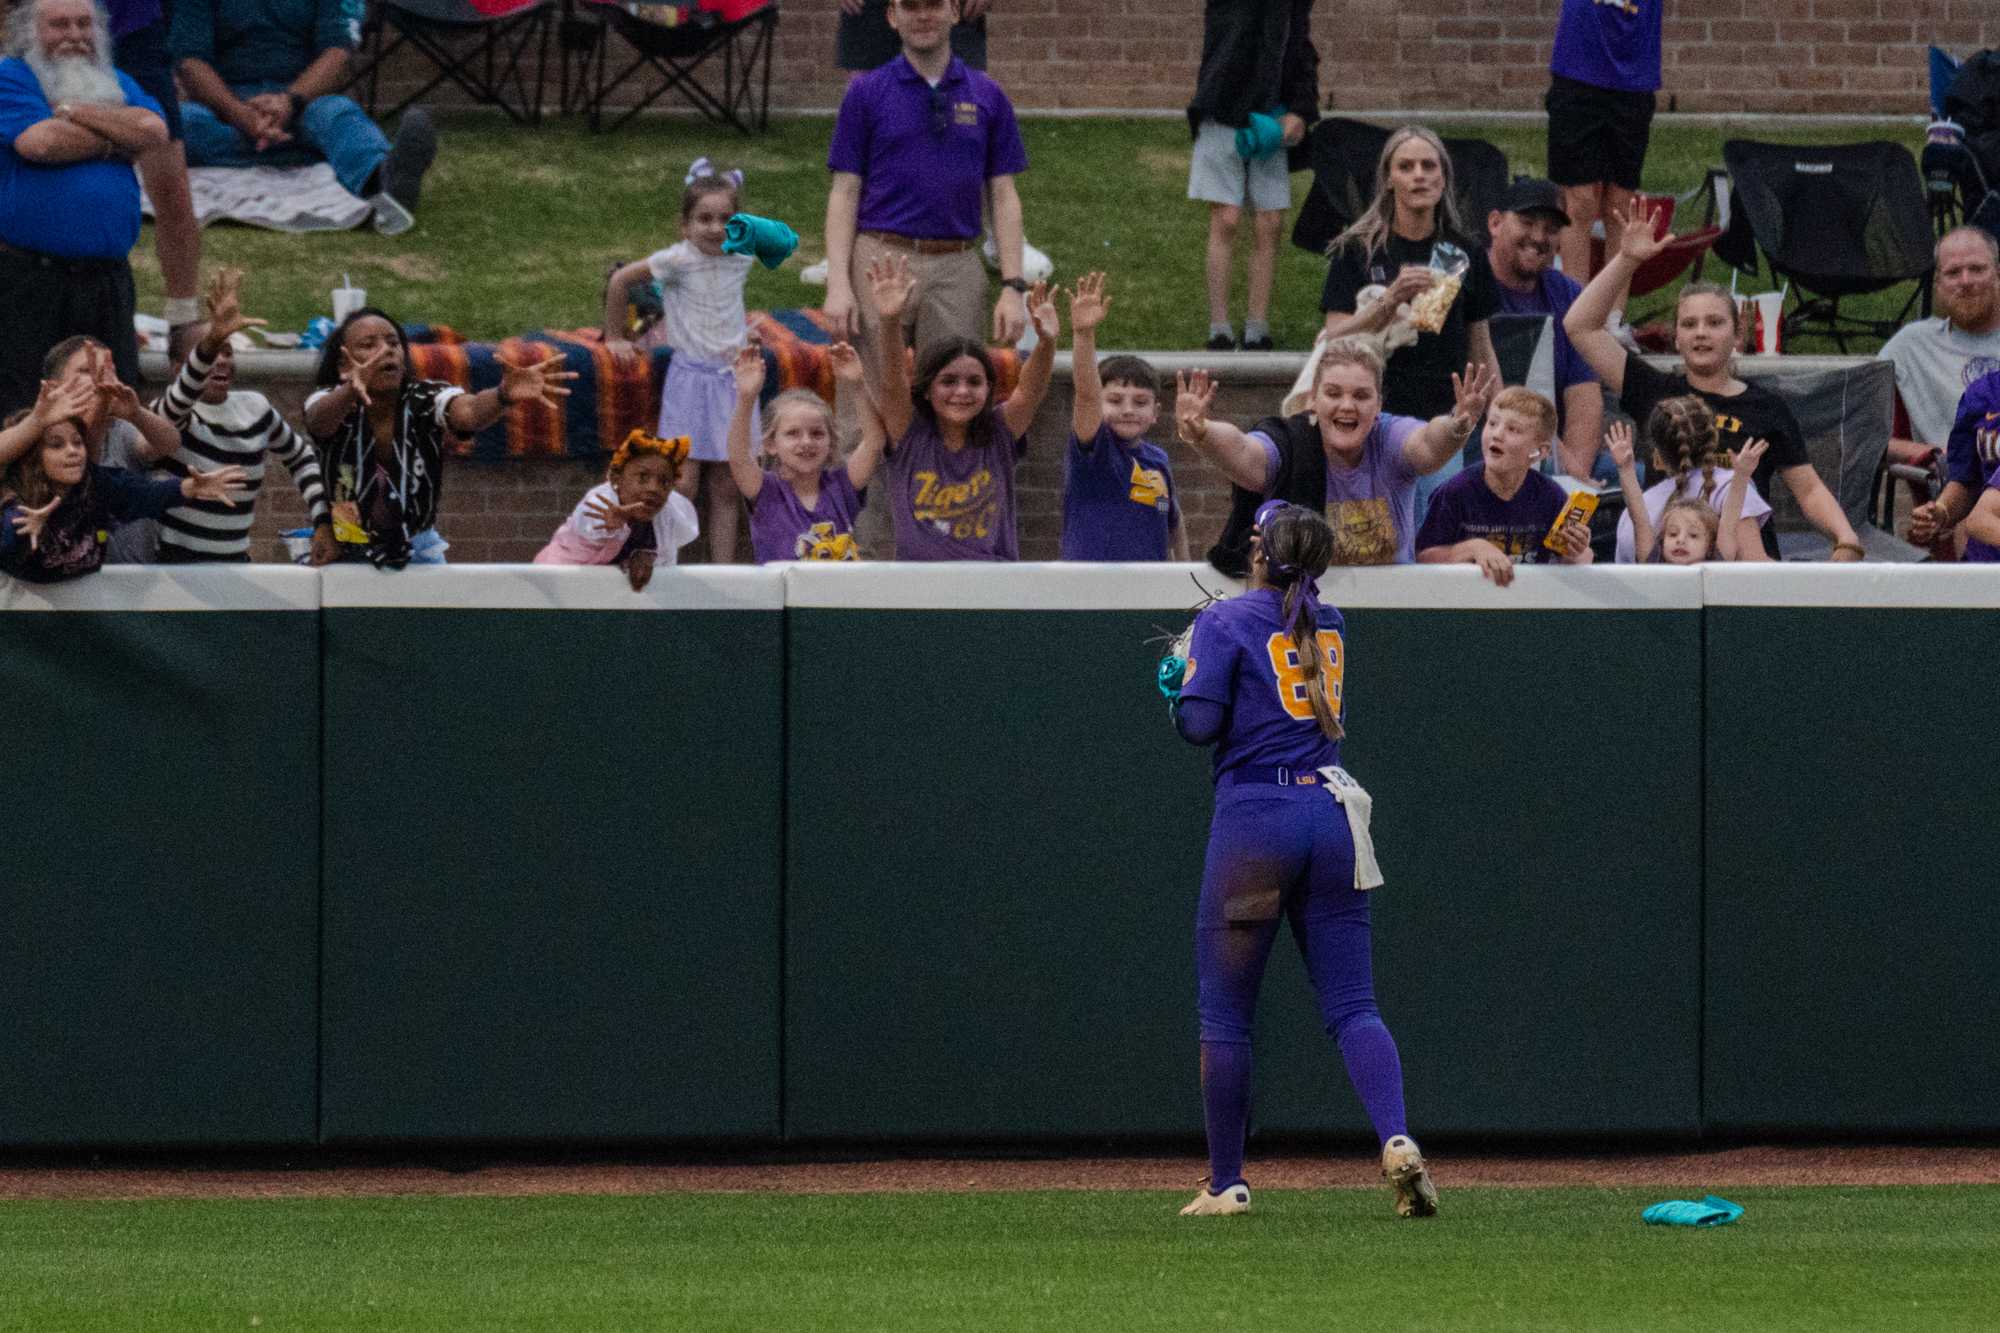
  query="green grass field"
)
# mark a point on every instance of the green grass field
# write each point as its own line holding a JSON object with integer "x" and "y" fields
{"x": 1496, "y": 1259}
{"x": 518, "y": 226}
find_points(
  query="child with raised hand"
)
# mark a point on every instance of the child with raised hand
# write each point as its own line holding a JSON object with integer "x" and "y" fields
{"x": 634, "y": 518}
{"x": 951, "y": 449}
{"x": 1118, "y": 486}
{"x": 704, "y": 321}
{"x": 1496, "y": 513}
{"x": 1684, "y": 436}
{"x": 802, "y": 506}
{"x": 56, "y": 506}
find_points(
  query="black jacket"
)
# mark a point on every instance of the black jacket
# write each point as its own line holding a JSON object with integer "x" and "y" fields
{"x": 1255, "y": 55}
{"x": 1974, "y": 102}
{"x": 1301, "y": 480}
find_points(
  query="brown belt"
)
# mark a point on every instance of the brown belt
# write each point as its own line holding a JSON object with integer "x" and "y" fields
{"x": 922, "y": 245}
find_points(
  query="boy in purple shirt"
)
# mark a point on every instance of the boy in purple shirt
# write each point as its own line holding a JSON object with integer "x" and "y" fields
{"x": 1496, "y": 512}
{"x": 1118, "y": 487}
{"x": 916, "y": 146}
{"x": 1972, "y": 462}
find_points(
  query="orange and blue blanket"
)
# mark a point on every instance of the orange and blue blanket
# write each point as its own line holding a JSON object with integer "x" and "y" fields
{"x": 612, "y": 396}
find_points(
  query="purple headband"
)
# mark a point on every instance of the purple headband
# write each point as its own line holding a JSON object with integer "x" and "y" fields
{"x": 1283, "y": 573}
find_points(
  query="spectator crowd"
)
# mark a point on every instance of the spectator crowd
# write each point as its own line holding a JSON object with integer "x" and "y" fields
{"x": 1401, "y": 431}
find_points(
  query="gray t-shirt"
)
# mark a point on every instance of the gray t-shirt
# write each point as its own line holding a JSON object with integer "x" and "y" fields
{"x": 137, "y": 542}
{"x": 1934, "y": 363}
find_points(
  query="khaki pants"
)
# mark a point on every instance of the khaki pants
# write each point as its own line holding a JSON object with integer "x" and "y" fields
{"x": 949, "y": 302}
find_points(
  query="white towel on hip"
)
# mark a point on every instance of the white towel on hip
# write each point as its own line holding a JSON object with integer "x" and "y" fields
{"x": 1359, "y": 805}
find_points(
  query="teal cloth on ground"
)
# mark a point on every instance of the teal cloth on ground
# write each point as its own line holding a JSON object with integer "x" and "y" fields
{"x": 1710, "y": 1212}
{"x": 771, "y": 242}
{"x": 1262, "y": 135}
{"x": 1172, "y": 671}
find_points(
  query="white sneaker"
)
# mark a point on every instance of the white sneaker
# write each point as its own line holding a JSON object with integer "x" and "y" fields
{"x": 391, "y": 218}
{"x": 1036, "y": 266}
{"x": 1234, "y": 1200}
{"x": 814, "y": 275}
{"x": 1403, "y": 1167}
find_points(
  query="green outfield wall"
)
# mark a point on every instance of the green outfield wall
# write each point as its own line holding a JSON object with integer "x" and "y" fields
{"x": 903, "y": 855}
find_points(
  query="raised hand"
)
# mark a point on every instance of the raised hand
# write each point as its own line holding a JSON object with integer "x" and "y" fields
{"x": 119, "y": 398}
{"x": 1638, "y": 243}
{"x": 30, "y": 522}
{"x": 611, "y": 514}
{"x": 1088, "y": 305}
{"x": 1747, "y": 458}
{"x": 355, "y": 374}
{"x": 891, "y": 284}
{"x": 1042, "y": 309}
{"x": 224, "y": 302}
{"x": 58, "y": 400}
{"x": 1618, "y": 439}
{"x": 846, "y": 361}
{"x": 224, "y": 484}
{"x": 1194, "y": 394}
{"x": 541, "y": 381}
{"x": 1470, "y": 392}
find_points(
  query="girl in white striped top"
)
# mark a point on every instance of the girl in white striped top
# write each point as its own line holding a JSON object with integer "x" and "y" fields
{"x": 220, "y": 427}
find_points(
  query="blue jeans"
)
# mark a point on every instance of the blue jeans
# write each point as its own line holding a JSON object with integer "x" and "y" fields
{"x": 331, "y": 127}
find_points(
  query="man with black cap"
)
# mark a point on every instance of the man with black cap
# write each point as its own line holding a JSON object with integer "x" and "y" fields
{"x": 1521, "y": 249}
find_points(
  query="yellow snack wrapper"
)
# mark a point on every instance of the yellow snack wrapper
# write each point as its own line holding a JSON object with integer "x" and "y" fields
{"x": 1582, "y": 504}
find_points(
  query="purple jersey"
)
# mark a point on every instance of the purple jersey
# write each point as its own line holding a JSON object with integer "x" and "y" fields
{"x": 1243, "y": 658}
{"x": 1972, "y": 455}
{"x": 1118, "y": 499}
{"x": 1609, "y": 44}
{"x": 954, "y": 504}
{"x": 782, "y": 528}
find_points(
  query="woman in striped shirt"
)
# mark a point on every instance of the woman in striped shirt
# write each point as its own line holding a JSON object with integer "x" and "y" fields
{"x": 222, "y": 427}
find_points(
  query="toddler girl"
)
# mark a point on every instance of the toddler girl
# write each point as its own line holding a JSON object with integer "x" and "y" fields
{"x": 1683, "y": 434}
{"x": 703, "y": 320}
{"x": 1688, "y": 529}
{"x": 801, "y": 507}
{"x": 634, "y": 518}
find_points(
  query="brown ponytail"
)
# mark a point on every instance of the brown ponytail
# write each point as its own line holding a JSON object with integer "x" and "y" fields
{"x": 1683, "y": 434}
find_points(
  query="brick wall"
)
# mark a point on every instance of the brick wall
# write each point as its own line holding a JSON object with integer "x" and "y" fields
{"x": 1810, "y": 56}
{"x": 505, "y": 512}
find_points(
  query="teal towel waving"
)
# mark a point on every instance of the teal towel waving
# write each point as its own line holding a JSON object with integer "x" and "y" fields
{"x": 770, "y": 241}
{"x": 1263, "y": 135}
{"x": 1710, "y": 1212}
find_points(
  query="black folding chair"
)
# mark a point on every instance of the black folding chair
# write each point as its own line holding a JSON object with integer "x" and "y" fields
{"x": 1836, "y": 221}
{"x": 695, "y": 43}
{"x": 490, "y": 56}
{"x": 1343, "y": 153}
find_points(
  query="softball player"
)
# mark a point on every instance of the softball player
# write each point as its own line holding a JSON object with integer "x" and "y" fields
{"x": 1262, "y": 683}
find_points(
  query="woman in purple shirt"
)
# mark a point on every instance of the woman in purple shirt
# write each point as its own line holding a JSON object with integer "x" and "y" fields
{"x": 951, "y": 451}
{"x": 1344, "y": 455}
{"x": 1263, "y": 684}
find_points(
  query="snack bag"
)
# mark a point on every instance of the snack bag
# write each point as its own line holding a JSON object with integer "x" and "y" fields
{"x": 1431, "y": 308}
{"x": 1582, "y": 504}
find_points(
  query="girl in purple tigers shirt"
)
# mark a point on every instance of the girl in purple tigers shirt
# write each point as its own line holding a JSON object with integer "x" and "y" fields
{"x": 1263, "y": 685}
{"x": 801, "y": 509}
{"x": 952, "y": 452}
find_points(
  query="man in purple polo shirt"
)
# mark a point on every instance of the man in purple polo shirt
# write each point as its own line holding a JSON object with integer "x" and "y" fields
{"x": 915, "y": 146}
{"x": 1521, "y": 251}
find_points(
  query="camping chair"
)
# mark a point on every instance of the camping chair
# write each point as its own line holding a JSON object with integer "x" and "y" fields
{"x": 1682, "y": 253}
{"x": 679, "y": 43}
{"x": 1834, "y": 221}
{"x": 1845, "y": 413}
{"x": 1919, "y": 466}
{"x": 482, "y": 46}
{"x": 1343, "y": 153}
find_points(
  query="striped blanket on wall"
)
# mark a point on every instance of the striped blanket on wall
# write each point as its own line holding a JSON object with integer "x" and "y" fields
{"x": 611, "y": 397}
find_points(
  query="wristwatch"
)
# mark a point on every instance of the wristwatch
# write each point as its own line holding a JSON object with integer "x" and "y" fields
{"x": 1015, "y": 285}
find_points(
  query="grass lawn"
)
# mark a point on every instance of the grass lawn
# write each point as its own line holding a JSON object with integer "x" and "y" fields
{"x": 1497, "y": 1259}
{"x": 519, "y": 226}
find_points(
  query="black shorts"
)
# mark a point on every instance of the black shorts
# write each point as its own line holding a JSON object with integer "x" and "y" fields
{"x": 143, "y": 55}
{"x": 1596, "y": 134}
{"x": 865, "y": 41}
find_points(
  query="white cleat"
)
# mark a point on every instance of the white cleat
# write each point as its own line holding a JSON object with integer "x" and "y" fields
{"x": 1403, "y": 1167}
{"x": 1235, "y": 1199}
{"x": 814, "y": 275}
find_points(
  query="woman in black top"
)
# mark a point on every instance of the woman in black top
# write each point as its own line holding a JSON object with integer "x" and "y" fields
{"x": 382, "y": 434}
{"x": 1391, "y": 244}
{"x": 1705, "y": 336}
